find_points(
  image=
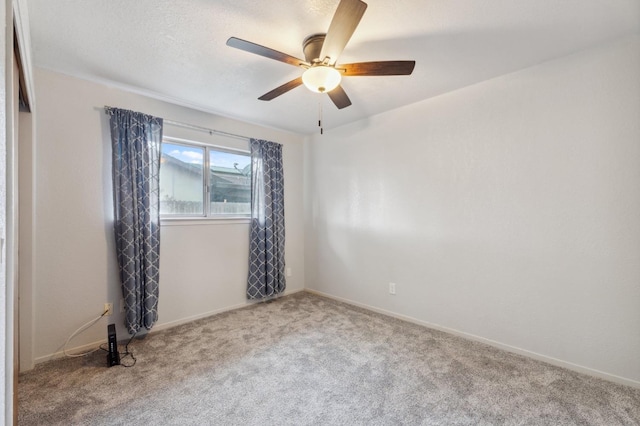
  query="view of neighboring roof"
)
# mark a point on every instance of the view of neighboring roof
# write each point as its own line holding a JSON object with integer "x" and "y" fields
{"x": 168, "y": 160}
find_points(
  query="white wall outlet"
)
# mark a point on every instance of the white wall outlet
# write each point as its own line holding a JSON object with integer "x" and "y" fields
{"x": 392, "y": 288}
{"x": 289, "y": 273}
{"x": 109, "y": 308}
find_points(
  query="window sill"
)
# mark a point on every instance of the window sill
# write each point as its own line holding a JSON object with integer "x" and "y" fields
{"x": 199, "y": 221}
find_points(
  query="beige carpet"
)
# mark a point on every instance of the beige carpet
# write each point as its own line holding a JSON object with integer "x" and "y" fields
{"x": 308, "y": 360}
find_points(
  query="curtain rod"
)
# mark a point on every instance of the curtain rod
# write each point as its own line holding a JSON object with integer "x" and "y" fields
{"x": 107, "y": 109}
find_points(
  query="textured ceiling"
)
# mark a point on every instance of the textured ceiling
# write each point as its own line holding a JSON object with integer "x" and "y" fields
{"x": 175, "y": 50}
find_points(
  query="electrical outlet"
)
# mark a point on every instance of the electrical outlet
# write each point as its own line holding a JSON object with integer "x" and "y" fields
{"x": 109, "y": 308}
{"x": 289, "y": 273}
{"x": 392, "y": 288}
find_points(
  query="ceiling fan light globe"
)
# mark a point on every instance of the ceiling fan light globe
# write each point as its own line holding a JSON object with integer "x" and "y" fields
{"x": 321, "y": 79}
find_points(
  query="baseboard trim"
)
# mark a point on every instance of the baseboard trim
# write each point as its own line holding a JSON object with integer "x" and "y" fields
{"x": 513, "y": 349}
{"x": 160, "y": 327}
{"x": 186, "y": 320}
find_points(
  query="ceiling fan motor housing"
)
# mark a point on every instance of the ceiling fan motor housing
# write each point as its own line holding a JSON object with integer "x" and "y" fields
{"x": 312, "y": 46}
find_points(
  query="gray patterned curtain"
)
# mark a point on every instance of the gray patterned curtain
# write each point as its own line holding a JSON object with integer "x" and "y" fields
{"x": 135, "y": 140}
{"x": 266, "y": 246}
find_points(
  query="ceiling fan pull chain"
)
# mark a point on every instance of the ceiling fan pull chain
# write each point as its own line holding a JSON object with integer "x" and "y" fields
{"x": 320, "y": 116}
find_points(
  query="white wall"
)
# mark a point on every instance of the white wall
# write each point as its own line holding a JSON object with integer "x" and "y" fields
{"x": 508, "y": 210}
{"x": 203, "y": 266}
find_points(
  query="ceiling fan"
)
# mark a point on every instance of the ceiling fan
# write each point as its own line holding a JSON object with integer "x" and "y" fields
{"x": 322, "y": 73}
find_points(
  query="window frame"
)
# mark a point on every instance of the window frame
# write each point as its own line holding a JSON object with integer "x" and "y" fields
{"x": 206, "y": 183}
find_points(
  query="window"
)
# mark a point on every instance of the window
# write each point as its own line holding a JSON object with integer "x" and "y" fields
{"x": 204, "y": 181}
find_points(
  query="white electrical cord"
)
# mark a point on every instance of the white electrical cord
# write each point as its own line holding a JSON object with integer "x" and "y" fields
{"x": 81, "y": 329}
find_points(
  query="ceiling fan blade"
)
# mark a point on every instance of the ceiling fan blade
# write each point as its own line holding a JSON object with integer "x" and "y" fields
{"x": 339, "y": 97}
{"x": 377, "y": 68}
{"x": 250, "y": 47}
{"x": 281, "y": 90}
{"x": 344, "y": 23}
